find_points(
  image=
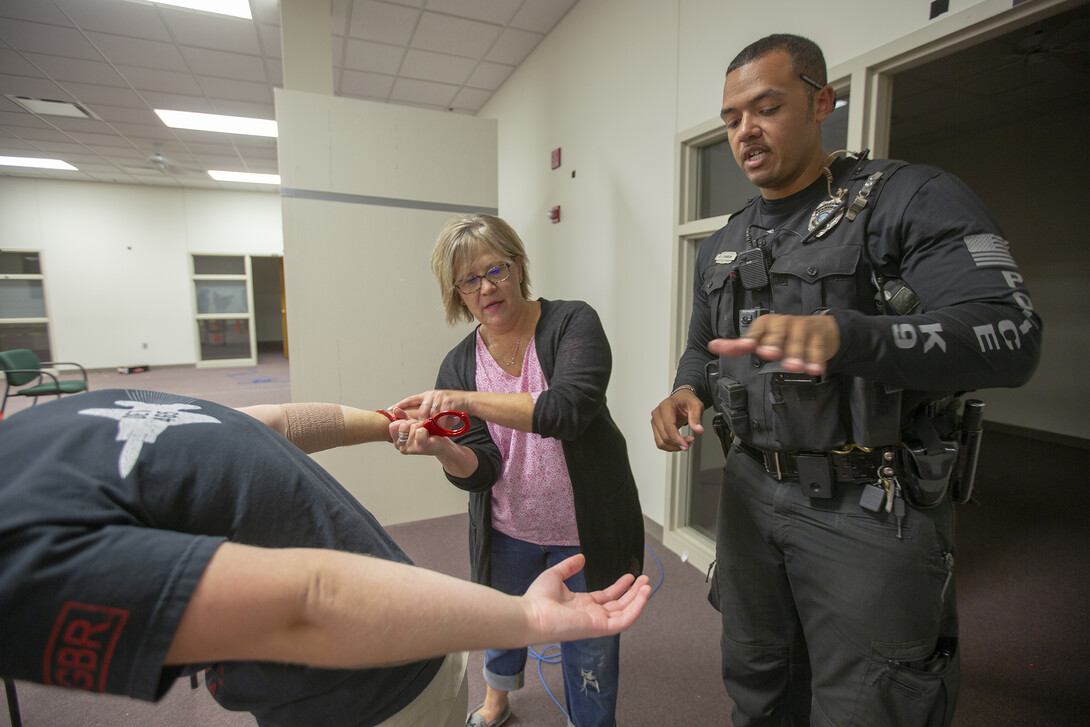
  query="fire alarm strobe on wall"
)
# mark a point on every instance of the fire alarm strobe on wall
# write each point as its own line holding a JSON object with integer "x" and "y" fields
{"x": 554, "y": 214}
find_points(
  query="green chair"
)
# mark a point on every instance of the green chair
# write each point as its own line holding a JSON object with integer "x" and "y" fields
{"x": 22, "y": 367}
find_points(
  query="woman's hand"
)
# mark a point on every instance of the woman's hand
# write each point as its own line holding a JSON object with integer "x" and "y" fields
{"x": 422, "y": 406}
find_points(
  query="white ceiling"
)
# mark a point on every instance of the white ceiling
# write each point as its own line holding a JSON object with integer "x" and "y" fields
{"x": 122, "y": 58}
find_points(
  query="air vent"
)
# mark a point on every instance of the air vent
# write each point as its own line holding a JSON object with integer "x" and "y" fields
{"x": 51, "y": 107}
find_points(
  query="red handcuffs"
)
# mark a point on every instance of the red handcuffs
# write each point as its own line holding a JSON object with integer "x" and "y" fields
{"x": 432, "y": 425}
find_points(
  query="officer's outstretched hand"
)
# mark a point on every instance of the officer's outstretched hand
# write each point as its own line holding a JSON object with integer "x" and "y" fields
{"x": 802, "y": 344}
{"x": 680, "y": 408}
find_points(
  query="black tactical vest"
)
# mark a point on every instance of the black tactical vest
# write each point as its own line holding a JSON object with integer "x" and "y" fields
{"x": 796, "y": 271}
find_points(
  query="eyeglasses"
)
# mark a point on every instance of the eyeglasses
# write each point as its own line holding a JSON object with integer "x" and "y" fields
{"x": 495, "y": 274}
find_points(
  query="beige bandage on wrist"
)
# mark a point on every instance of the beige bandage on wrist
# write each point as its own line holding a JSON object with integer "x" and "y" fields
{"x": 313, "y": 427}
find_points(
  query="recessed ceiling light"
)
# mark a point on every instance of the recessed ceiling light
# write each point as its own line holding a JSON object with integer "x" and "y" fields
{"x": 250, "y": 177}
{"x": 36, "y": 163}
{"x": 215, "y": 122}
{"x": 234, "y": 8}
{"x": 50, "y": 107}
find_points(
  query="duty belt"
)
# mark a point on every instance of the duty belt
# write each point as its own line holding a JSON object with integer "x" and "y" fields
{"x": 847, "y": 466}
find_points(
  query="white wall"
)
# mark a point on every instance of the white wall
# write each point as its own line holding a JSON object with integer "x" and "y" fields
{"x": 365, "y": 318}
{"x": 116, "y": 260}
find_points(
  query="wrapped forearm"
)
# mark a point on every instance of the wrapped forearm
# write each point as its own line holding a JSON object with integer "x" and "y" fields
{"x": 313, "y": 427}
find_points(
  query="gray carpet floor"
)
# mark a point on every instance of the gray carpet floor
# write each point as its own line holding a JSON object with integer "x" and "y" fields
{"x": 1023, "y": 587}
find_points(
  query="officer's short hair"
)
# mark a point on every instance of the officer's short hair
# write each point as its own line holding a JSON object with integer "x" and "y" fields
{"x": 806, "y": 55}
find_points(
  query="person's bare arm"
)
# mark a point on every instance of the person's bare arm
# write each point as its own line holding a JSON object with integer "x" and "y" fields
{"x": 316, "y": 427}
{"x": 332, "y": 609}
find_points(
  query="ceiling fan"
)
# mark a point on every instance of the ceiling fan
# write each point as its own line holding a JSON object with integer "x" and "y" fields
{"x": 163, "y": 164}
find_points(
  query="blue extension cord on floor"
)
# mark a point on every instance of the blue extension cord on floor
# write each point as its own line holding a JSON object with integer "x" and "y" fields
{"x": 545, "y": 657}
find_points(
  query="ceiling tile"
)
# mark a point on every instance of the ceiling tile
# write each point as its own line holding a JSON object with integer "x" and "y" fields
{"x": 383, "y": 22}
{"x": 34, "y": 88}
{"x": 63, "y": 69}
{"x": 229, "y": 90}
{"x": 120, "y": 115}
{"x": 423, "y": 92}
{"x": 235, "y": 107}
{"x": 89, "y": 95}
{"x": 360, "y": 84}
{"x": 121, "y": 59}
{"x": 177, "y": 102}
{"x": 204, "y": 62}
{"x": 470, "y": 99}
{"x": 489, "y": 11}
{"x": 541, "y": 16}
{"x": 18, "y": 122}
{"x": 151, "y": 79}
{"x": 109, "y": 16}
{"x": 103, "y": 140}
{"x": 49, "y": 39}
{"x": 145, "y": 132}
{"x": 34, "y": 11}
{"x": 138, "y": 52}
{"x": 14, "y": 64}
{"x": 490, "y": 75}
{"x": 218, "y": 32}
{"x": 427, "y": 66}
{"x": 71, "y": 125}
{"x": 363, "y": 55}
{"x": 443, "y": 34}
{"x": 513, "y": 46}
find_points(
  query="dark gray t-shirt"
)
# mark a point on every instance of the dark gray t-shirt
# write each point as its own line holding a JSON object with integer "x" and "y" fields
{"x": 111, "y": 504}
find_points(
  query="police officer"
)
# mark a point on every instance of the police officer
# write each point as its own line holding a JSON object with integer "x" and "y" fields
{"x": 837, "y": 319}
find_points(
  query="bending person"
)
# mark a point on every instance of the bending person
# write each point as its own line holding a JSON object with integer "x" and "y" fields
{"x": 546, "y": 466}
{"x": 144, "y": 535}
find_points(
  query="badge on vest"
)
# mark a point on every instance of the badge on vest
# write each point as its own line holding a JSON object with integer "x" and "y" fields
{"x": 726, "y": 257}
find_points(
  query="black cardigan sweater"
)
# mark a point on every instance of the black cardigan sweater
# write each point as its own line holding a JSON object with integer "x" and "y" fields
{"x": 576, "y": 360}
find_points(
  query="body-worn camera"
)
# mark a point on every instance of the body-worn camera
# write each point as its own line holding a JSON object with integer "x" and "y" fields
{"x": 746, "y": 316}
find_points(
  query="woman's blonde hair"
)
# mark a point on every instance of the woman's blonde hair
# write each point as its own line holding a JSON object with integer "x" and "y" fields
{"x": 460, "y": 241}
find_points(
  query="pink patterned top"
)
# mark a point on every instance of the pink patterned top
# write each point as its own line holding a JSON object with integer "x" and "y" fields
{"x": 532, "y": 498}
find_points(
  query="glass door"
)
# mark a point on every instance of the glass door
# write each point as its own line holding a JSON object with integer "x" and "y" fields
{"x": 223, "y": 295}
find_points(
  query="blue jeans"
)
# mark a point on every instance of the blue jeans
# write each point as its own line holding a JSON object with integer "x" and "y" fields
{"x": 590, "y": 666}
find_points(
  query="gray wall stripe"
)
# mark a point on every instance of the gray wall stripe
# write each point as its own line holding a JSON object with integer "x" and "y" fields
{"x": 383, "y": 201}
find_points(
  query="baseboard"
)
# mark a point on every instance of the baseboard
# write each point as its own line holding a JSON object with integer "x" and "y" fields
{"x": 1065, "y": 440}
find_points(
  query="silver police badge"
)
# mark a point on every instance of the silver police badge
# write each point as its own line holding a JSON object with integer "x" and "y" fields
{"x": 826, "y": 215}
{"x": 726, "y": 257}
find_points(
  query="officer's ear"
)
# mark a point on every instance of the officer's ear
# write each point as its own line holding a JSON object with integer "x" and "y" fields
{"x": 824, "y": 102}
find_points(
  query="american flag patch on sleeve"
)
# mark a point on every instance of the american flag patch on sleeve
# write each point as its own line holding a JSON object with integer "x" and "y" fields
{"x": 990, "y": 251}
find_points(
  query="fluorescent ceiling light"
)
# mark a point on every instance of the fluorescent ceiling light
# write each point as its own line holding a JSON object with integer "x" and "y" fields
{"x": 234, "y": 8}
{"x": 215, "y": 122}
{"x": 250, "y": 177}
{"x": 36, "y": 163}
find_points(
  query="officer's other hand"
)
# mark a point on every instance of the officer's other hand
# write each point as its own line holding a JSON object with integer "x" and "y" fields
{"x": 802, "y": 344}
{"x": 681, "y": 408}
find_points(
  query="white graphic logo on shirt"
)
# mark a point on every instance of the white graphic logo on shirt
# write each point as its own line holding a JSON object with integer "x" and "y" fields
{"x": 143, "y": 423}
